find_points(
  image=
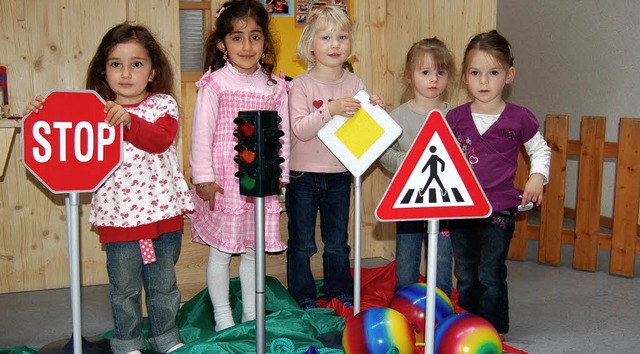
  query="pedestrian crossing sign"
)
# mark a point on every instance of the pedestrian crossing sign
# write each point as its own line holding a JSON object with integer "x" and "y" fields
{"x": 434, "y": 181}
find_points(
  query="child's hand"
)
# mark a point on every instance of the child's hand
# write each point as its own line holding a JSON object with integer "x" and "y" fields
{"x": 344, "y": 106}
{"x": 34, "y": 106}
{"x": 533, "y": 189}
{"x": 376, "y": 101}
{"x": 207, "y": 191}
{"x": 116, "y": 114}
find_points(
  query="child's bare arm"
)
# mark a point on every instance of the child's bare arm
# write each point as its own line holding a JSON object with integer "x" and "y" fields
{"x": 344, "y": 106}
{"x": 533, "y": 189}
{"x": 34, "y": 106}
{"x": 376, "y": 101}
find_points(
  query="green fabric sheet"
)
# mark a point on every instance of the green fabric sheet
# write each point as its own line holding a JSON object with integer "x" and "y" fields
{"x": 288, "y": 328}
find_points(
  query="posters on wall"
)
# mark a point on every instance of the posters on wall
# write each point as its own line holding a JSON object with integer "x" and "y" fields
{"x": 303, "y": 7}
{"x": 279, "y": 7}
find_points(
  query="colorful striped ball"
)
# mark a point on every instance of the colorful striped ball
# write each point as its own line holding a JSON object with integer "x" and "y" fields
{"x": 466, "y": 333}
{"x": 411, "y": 301}
{"x": 377, "y": 331}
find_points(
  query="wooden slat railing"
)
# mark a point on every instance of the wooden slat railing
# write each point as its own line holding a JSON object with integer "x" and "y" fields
{"x": 591, "y": 151}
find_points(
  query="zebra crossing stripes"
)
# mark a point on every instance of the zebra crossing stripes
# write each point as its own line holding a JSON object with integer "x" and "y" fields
{"x": 432, "y": 196}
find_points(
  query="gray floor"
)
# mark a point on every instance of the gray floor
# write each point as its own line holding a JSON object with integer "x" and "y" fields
{"x": 553, "y": 310}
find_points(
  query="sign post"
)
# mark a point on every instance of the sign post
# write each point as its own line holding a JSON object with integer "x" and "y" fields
{"x": 70, "y": 149}
{"x": 258, "y": 175}
{"x": 433, "y": 182}
{"x": 358, "y": 142}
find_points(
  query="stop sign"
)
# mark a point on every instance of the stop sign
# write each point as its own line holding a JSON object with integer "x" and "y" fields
{"x": 67, "y": 145}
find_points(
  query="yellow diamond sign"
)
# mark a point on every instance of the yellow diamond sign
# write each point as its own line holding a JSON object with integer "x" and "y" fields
{"x": 359, "y": 133}
{"x": 359, "y": 141}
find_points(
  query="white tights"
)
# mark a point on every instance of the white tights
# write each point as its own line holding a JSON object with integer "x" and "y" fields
{"x": 218, "y": 285}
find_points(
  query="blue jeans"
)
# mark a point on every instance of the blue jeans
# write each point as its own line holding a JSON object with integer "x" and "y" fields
{"x": 330, "y": 194}
{"x": 408, "y": 252}
{"x": 127, "y": 274}
{"x": 480, "y": 248}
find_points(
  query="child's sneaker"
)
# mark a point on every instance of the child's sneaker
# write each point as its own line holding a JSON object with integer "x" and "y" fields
{"x": 175, "y": 347}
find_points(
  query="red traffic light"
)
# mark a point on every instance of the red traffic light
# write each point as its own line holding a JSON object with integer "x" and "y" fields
{"x": 246, "y": 129}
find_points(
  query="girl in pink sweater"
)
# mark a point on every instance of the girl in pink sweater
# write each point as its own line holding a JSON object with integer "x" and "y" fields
{"x": 240, "y": 57}
{"x": 318, "y": 181}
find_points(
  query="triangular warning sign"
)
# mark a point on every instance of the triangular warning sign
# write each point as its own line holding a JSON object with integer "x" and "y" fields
{"x": 434, "y": 180}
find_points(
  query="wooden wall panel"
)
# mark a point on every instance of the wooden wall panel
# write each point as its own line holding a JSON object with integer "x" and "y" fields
{"x": 47, "y": 45}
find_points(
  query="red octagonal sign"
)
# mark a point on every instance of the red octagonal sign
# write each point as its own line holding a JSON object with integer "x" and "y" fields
{"x": 67, "y": 145}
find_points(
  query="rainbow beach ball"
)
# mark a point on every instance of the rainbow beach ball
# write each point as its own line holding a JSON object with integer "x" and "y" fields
{"x": 377, "y": 331}
{"x": 411, "y": 301}
{"x": 466, "y": 333}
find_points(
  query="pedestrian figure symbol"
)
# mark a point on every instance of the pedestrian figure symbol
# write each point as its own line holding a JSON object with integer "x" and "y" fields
{"x": 432, "y": 164}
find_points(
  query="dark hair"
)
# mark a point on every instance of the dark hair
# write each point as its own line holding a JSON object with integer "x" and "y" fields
{"x": 442, "y": 59}
{"x": 123, "y": 33}
{"x": 493, "y": 43}
{"x": 237, "y": 10}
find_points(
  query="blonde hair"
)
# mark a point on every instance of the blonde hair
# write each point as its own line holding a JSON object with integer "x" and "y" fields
{"x": 322, "y": 18}
{"x": 442, "y": 59}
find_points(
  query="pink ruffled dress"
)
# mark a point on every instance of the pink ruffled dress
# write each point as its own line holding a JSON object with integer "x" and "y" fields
{"x": 230, "y": 227}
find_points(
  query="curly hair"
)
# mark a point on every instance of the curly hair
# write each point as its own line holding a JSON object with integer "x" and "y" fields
{"x": 123, "y": 33}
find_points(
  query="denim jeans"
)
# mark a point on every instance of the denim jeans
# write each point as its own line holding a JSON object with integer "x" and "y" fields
{"x": 480, "y": 248}
{"x": 308, "y": 193}
{"x": 408, "y": 252}
{"x": 127, "y": 274}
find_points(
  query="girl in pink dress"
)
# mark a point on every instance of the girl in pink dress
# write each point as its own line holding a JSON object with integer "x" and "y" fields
{"x": 240, "y": 57}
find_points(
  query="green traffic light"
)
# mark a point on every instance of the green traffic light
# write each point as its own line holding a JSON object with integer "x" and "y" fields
{"x": 247, "y": 183}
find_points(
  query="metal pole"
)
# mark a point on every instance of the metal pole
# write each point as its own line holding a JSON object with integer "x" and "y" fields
{"x": 71, "y": 206}
{"x": 356, "y": 243}
{"x": 260, "y": 276}
{"x": 433, "y": 227}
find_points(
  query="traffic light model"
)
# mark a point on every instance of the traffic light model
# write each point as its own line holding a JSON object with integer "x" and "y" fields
{"x": 258, "y": 152}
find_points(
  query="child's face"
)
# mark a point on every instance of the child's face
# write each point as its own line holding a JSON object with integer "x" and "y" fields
{"x": 244, "y": 45}
{"x": 486, "y": 77}
{"x": 331, "y": 47}
{"x": 428, "y": 81}
{"x": 129, "y": 70}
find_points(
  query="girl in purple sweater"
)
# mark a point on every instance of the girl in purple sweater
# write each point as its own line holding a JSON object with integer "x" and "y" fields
{"x": 491, "y": 132}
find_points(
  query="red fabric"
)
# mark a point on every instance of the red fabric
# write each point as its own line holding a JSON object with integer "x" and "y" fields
{"x": 377, "y": 290}
{"x": 153, "y": 137}
{"x": 147, "y": 251}
{"x": 153, "y": 230}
